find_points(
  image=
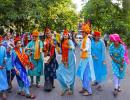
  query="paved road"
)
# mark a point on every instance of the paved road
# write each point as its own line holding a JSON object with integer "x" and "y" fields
{"x": 106, "y": 94}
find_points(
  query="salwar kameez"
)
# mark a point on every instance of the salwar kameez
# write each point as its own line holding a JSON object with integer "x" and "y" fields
{"x": 66, "y": 74}
{"x": 38, "y": 63}
{"x": 3, "y": 75}
{"x": 22, "y": 77}
{"x": 85, "y": 69}
{"x": 118, "y": 54}
{"x": 51, "y": 65}
{"x": 8, "y": 44}
{"x": 98, "y": 54}
{"x": 50, "y": 72}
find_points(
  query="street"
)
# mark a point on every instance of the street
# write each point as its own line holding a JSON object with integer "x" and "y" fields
{"x": 106, "y": 94}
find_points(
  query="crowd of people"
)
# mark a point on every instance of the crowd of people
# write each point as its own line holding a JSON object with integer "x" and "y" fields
{"x": 21, "y": 58}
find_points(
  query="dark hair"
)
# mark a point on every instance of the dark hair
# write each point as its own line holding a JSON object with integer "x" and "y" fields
{"x": 72, "y": 31}
{"x": 16, "y": 42}
{"x": 64, "y": 39}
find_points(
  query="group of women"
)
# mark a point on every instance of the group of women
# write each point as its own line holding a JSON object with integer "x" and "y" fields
{"x": 39, "y": 57}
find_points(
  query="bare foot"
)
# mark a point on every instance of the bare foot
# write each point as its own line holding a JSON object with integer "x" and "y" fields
{"x": 69, "y": 92}
{"x": 4, "y": 96}
{"x": 62, "y": 93}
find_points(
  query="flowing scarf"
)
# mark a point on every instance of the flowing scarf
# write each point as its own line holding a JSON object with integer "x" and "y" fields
{"x": 126, "y": 57}
{"x": 84, "y": 54}
{"x": 37, "y": 50}
{"x": 49, "y": 46}
{"x": 23, "y": 58}
{"x": 65, "y": 50}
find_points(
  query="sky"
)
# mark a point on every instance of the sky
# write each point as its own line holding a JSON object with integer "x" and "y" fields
{"x": 79, "y": 3}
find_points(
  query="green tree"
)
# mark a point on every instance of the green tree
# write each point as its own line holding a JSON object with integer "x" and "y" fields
{"x": 108, "y": 16}
{"x": 24, "y": 14}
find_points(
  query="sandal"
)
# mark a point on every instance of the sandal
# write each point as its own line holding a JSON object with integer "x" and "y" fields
{"x": 115, "y": 93}
{"x": 38, "y": 85}
{"x": 99, "y": 88}
{"x": 95, "y": 84}
{"x": 30, "y": 96}
{"x": 119, "y": 89}
{"x": 53, "y": 86}
{"x": 32, "y": 84}
{"x": 21, "y": 93}
{"x": 9, "y": 90}
{"x": 82, "y": 91}
{"x": 86, "y": 93}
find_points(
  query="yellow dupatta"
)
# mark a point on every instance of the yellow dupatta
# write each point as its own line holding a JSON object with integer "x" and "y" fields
{"x": 37, "y": 50}
{"x": 84, "y": 54}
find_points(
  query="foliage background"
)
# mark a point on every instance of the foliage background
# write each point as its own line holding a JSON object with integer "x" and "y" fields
{"x": 25, "y": 14}
{"x": 109, "y": 17}
{"x": 106, "y": 16}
